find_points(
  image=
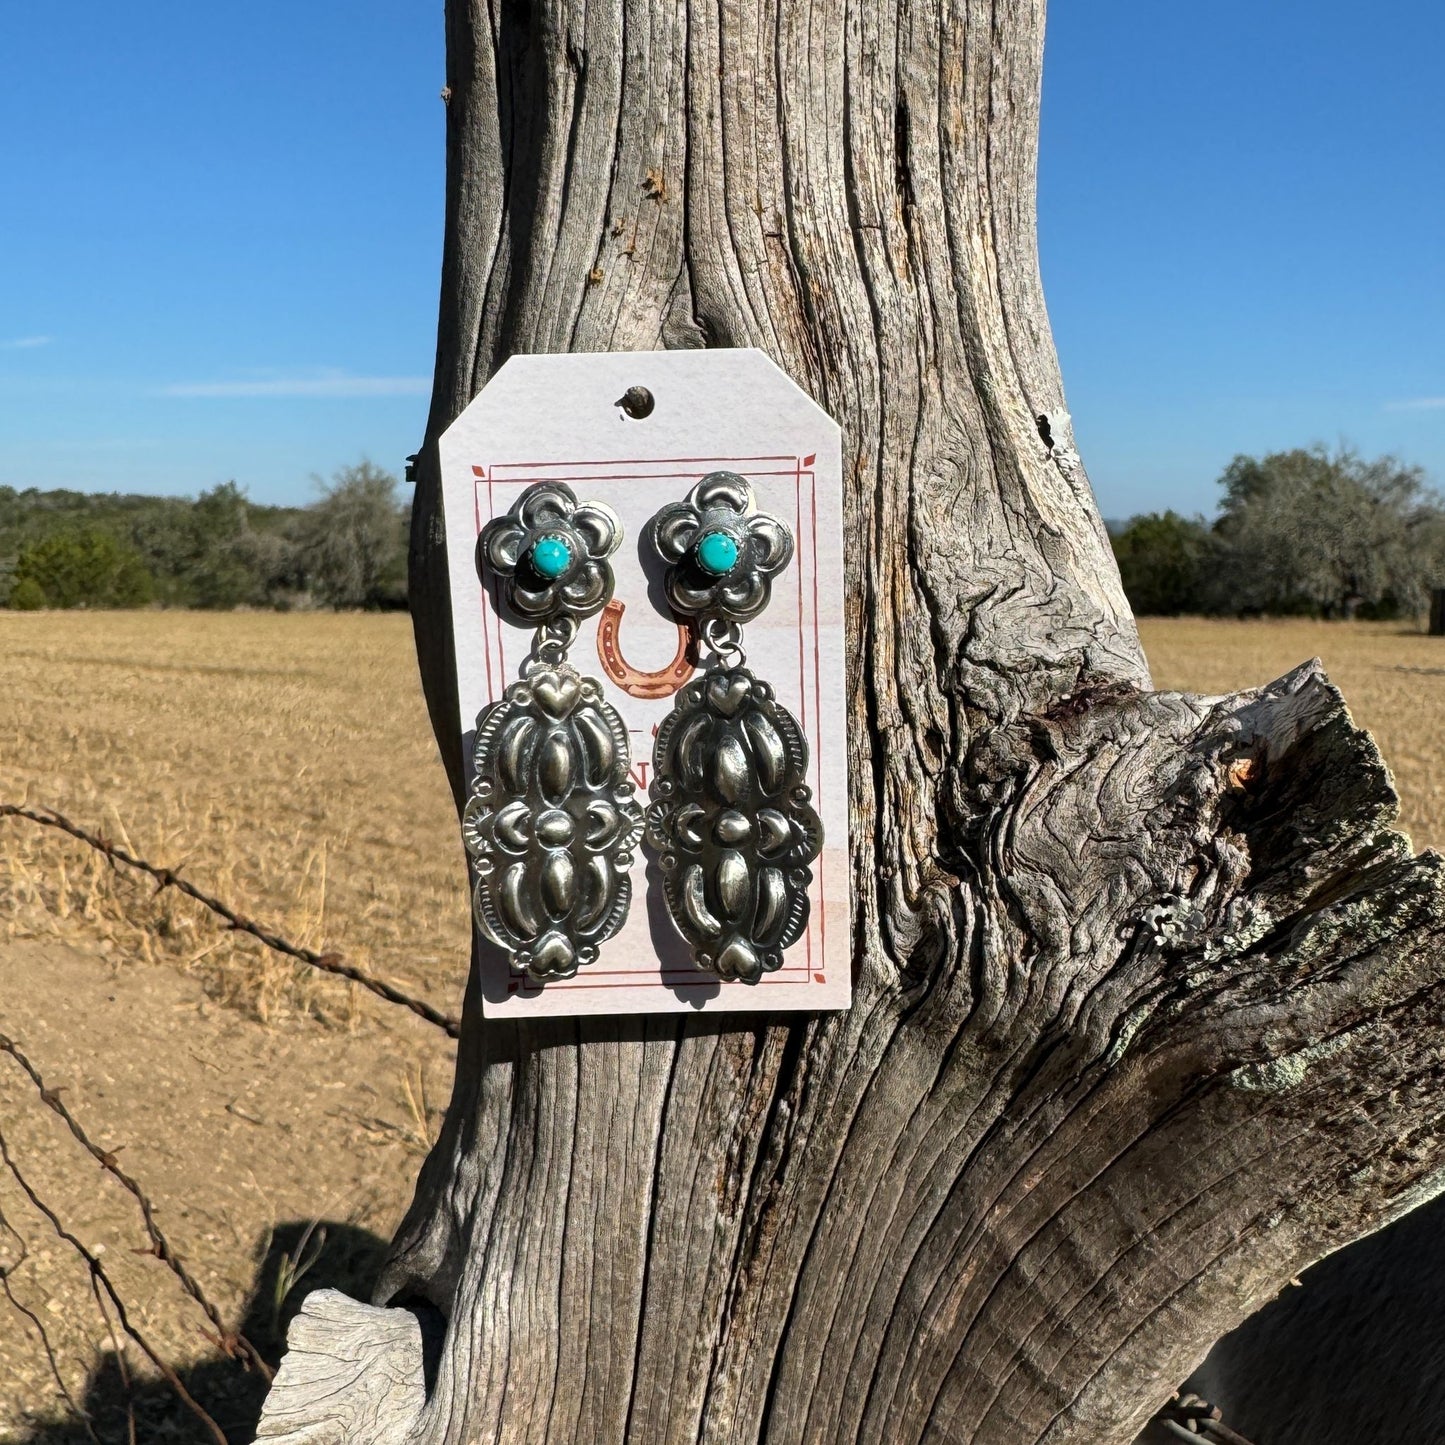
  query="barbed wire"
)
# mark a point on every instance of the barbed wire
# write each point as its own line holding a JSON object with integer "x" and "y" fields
{"x": 332, "y": 963}
{"x": 38, "y": 1325}
{"x": 230, "y": 1341}
{"x": 100, "y": 1278}
{"x": 1186, "y": 1417}
{"x": 118, "y": 1354}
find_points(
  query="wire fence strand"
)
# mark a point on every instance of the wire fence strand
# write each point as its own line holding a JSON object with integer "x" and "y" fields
{"x": 101, "y": 1278}
{"x": 6, "y": 1270}
{"x": 332, "y": 963}
{"x": 232, "y": 1342}
{"x": 1186, "y": 1417}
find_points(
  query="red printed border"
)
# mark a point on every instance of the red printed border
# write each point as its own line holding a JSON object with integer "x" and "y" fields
{"x": 798, "y": 467}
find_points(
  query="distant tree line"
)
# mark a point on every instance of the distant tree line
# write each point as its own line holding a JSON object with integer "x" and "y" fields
{"x": 1307, "y": 532}
{"x": 1304, "y": 532}
{"x": 218, "y": 550}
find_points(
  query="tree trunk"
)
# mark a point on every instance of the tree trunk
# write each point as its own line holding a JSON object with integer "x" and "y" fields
{"x": 1148, "y": 997}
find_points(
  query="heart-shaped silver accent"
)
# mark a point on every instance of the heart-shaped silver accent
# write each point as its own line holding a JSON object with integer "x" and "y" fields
{"x": 728, "y": 691}
{"x": 557, "y": 692}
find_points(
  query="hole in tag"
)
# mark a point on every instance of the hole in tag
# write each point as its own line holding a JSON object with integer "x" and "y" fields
{"x": 637, "y": 402}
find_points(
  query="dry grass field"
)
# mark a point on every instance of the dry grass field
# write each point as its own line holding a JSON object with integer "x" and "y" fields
{"x": 285, "y": 760}
{"x": 286, "y": 763}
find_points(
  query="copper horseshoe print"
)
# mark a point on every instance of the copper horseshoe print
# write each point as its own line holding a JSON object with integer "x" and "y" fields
{"x": 635, "y": 683}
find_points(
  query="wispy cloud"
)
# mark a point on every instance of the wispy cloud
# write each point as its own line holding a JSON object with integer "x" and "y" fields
{"x": 1418, "y": 403}
{"x": 25, "y": 343}
{"x": 314, "y": 384}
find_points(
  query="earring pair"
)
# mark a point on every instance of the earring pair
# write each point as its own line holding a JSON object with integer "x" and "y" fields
{"x": 552, "y": 820}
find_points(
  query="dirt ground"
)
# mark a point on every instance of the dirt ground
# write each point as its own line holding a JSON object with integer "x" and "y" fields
{"x": 245, "y": 1132}
{"x": 284, "y": 759}
{"x": 287, "y": 763}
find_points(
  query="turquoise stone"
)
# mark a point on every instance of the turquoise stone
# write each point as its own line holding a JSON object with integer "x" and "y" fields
{"x": 717, "y": 552}
{"x": 551, "y": 556}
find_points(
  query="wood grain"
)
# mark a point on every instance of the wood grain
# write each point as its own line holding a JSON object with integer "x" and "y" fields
{"x": 1148, "y": 995}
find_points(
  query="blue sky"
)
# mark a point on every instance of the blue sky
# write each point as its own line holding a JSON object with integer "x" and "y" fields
{"x": 220, "y": 231}
{"x": 1242, "y": 222}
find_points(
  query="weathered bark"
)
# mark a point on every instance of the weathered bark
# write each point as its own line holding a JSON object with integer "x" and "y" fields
{"x": 1148, "y": 995}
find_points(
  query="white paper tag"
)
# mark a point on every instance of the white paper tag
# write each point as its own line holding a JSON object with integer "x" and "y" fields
{"x": 557, "y": 418}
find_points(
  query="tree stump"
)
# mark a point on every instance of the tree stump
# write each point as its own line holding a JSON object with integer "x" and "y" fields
{"x": 1149, "y": 995}
{"x": 1437, "y": 612}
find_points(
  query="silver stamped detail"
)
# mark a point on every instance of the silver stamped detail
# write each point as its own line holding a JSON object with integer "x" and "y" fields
{"x": 732, "y": 819}
{"x": 551, "y": 822}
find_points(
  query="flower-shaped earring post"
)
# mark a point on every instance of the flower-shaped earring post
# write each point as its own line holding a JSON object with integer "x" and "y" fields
{"x": 722, "y": 555}
{"x": 549, "y": 554}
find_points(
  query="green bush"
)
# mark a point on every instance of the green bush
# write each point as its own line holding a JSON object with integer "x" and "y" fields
{"x": 351, "y": 542}
{"x": 27, "y": 595}
{"x": 87, "y": 567}
{"x": 217, "y": 550}
{"x": 1307, "y": 532}
{"x": 1162, "y": 559}
{"x": 1328, "y": 534}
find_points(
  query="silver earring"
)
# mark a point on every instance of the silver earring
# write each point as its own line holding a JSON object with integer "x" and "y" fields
{"x": 551, "y": 821}
{"x": 730, "y": 813}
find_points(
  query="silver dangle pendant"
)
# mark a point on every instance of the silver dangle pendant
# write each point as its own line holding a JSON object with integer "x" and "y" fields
{"x": 552, "y": 819}
{"x": 551, "y": 822}
{"x": 730, "y": 811}
{"x": 733, "y": 821}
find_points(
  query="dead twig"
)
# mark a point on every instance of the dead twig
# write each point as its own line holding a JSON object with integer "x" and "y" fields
{"x": 75, "y": 1409}
{"x": 332, "y": 963}
{"x": 118, "y": 1349}
{"x": 231, "y": 1342}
